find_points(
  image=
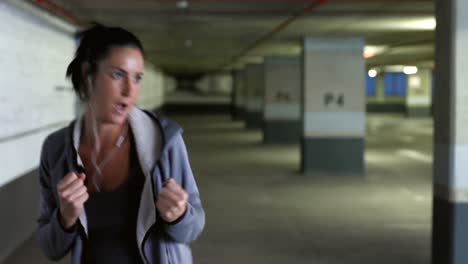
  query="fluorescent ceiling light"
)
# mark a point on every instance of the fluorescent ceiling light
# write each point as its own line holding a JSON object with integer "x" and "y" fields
{"x": 251, "y": 59}
{"x": 427, "y": 23}
{"x": 182, "y": 4}
{"x": 424, "y": 23}
{"x": 393, "y": 68}
{"x": 410, "y": 70}
{"x": 371, "y": 51}
{"x": 372, "y": 73}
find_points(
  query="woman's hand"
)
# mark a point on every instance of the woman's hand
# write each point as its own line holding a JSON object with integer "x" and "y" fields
{"x": 72, "y": 195}
{"x": 172, "y": 201}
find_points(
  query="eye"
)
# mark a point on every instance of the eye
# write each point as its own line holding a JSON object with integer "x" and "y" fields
{"x": 138, "y": 78}
{"x": 116, "y": 75}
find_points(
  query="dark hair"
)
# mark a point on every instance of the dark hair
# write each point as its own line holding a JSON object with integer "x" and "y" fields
{"x": 95, "y": 44}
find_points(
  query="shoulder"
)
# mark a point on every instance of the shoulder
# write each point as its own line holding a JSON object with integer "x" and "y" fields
{"x": 169, "y": 128}
{"x": 56, "y": 138}
{"x": 167, "y": 124}
{"x": 55, "y": 143}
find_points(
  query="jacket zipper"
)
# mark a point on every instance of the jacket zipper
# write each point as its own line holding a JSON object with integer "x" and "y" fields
{"x": 169, "y": 260}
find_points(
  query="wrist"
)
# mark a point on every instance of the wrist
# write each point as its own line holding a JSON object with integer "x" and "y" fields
{"x": 178, "y": 219}
{"x": 67, "y": 224}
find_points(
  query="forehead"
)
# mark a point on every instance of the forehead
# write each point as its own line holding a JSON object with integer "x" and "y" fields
{"x": 126, "y": 58}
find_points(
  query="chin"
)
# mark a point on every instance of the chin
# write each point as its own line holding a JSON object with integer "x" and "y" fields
{"x": 119, "y": 119}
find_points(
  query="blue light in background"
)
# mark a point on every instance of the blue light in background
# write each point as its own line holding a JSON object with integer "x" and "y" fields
{"x": 370, "y": 86}
{"x": 395, "y": 84}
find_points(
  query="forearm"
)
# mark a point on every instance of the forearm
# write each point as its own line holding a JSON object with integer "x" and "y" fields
{"x": 189, "y": 226}
{"x": 54, "y": 240}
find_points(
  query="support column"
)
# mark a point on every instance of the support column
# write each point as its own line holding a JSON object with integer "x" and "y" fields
{"x": 238, "y": 95}
{"x": 255, "y": 84}
{"x": 419, "y": 94}
{"x": 380, "y": 88}
{"x": 450, "y": 206}
{"x": 282, "y": 110}
{"x": 333, "y": 106}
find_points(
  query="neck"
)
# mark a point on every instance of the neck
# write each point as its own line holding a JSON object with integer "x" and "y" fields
{"x": 107, "y": 133}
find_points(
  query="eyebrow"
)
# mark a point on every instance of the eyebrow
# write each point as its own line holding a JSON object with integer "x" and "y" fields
{"x": 120, "y": 69}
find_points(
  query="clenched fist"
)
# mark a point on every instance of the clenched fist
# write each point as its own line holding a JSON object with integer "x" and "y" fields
{"x": 72, "y": 195}
{"x": 172, "y": 201}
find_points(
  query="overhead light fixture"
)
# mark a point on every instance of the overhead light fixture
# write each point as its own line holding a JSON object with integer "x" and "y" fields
{"x": 372, "y": 73}
{"x": 371, "y": 51}
{"x": 393, "y": 68}
{"x": 182, "y": 4}
{"x": 251, "y": 59}
{"x": 426, "y": 24}
{"x": 410, "y": 70}
{"x": 416, "y": 23}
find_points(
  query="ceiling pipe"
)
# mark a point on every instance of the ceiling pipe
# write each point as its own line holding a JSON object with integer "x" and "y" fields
{"x": 62, "y": 13}
{"x": 290, "y": 1}
{"x": 277, "y": 29}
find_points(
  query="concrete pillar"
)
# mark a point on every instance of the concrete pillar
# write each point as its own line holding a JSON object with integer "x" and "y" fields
{"x": 380, "y": 88}
{"x": 239, "y": 95}
{"x": 282, "y": 110}
{"x": 450, "y": 206}
{"x": 419, "y": 94}
{"x": 255, "y": 83}
{"x": 232, "y": 96}
{"x": 333, "y": 105}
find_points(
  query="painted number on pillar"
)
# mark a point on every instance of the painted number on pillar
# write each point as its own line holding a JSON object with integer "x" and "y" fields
{"x": 333, "y": 99}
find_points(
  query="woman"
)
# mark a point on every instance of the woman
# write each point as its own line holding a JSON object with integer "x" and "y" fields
{"x": 116, "y": 184}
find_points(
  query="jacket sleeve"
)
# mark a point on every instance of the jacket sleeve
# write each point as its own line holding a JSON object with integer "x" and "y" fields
{"x": 191, "y": 224}
{"x": 54, "y": 241}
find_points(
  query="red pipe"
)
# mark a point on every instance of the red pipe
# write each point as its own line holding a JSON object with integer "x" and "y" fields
{"x": 61, "y": 12}
{"x": 287, "y": 1}
{"x": 234, "y": 1}
{"x": 280, "y": 27}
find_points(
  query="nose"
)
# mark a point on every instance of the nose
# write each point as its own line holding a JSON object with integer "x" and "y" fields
{"x": 128, "y": 87}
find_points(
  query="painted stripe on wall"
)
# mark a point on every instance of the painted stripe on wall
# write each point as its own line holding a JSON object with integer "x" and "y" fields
{"x": 454, "y": 195}
{"x": 419, "y": 101}
{"x": 282, "y": 111}
{"x": 450, "y": 172}
{"x": 21, "y": 155}
{"x": 334, "y": 124}
{"x": 254, "y": 104}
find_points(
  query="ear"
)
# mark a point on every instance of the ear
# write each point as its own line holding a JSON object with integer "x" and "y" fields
{"x": 85, "y": 71}
{"x": 87, "y": 80}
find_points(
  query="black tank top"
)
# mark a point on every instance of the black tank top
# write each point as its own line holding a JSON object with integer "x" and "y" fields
{"x": 112, "y": 220}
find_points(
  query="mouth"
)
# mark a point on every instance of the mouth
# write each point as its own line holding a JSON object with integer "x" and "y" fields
{"x": 121, "y": 107}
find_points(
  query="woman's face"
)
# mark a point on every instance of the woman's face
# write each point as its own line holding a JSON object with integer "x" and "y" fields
{"x": 116, "y": 84}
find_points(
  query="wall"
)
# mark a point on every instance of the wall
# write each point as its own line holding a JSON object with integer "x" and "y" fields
{"x": 151, "y": 88}
{"x": 36, "y": 99}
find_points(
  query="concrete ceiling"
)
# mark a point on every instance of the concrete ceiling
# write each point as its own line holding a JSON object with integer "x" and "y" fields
{"x": 211, "y": 34}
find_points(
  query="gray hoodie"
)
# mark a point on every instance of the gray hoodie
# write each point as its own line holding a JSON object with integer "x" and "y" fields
{"x": 162, "y": 154}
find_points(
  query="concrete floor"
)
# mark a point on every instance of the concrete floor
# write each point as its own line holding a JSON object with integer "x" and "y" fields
{"x": 260, "y": 209}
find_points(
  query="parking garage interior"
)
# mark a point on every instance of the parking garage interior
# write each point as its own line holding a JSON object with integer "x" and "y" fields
{"x": 326, "y": 131}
